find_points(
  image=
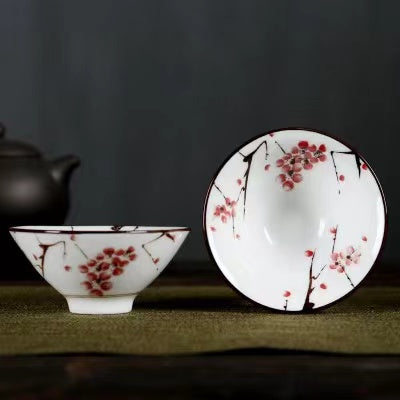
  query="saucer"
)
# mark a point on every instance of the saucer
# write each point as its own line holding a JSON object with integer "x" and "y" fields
{"x": 294, "y": 219}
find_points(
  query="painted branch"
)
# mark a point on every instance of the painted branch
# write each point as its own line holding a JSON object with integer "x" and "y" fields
{"x": 334, "y": 239}
{"x": 319, "y": 273}
{"x": 45, "y": 248}
{"x": 307, "y": 304}
{"x": 249, "y": 159}
{"x": 283, "y": 150}
{"x": 357, "y": 160}
{"x": 219, "y": 190}
{"x": 80, "y": 250}
{"x": 348, "y": 277}
{"x": 148, "y": 252}
{"x": 169, "y": 236}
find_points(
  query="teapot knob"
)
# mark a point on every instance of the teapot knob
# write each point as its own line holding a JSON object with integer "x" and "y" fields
{"x": 2, "y": 130}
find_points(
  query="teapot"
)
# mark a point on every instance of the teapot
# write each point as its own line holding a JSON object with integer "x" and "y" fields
{"x": 33, "y": 191}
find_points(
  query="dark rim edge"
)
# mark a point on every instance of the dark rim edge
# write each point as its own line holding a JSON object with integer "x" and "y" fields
{"x": 71, "y": 231}
{"x": 205, "y": 203}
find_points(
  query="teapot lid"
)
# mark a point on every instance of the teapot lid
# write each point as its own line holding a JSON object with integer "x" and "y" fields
{"x": 14, "y": 148}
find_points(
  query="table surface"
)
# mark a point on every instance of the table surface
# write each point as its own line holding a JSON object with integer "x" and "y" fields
{"x": 234, "y": 374}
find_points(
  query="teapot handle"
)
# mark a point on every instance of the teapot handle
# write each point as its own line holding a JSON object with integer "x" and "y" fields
{"x": 2, "y": 130}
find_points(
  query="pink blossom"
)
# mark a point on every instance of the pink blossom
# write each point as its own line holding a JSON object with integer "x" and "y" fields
{"x": 288, "y": 185}
{"x": 297, "y": 178}
{"x": 344, "y": 258}
{"x": 226, "y": 211}
{"x": 302, "y": 157}
{"x": 309, "y": 253}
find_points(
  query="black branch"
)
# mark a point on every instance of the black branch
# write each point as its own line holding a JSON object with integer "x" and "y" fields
{"x": 308, "y": 305}
{"x": 356, "y": 158}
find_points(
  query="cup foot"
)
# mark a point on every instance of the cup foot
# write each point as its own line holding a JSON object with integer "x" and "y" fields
{"x": 100, "y": 305}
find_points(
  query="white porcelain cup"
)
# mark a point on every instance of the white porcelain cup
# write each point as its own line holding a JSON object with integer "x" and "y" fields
{"x": 99, "y": 269}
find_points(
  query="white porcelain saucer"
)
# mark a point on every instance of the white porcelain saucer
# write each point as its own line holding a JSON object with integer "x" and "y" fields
{"x": 294, "y": 219}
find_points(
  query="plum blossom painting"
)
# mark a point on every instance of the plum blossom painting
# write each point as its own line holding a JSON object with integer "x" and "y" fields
{"x": 295, "y": 219}
{"x": 120, "y": 253}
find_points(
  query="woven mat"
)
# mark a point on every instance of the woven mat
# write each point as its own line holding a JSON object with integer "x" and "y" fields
{"x": 196, "y": 319}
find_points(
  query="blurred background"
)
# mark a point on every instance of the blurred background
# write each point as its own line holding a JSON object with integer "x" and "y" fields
{"x": 153, "y": 95}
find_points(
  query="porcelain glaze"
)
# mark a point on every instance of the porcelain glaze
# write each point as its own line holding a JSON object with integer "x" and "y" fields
{"x": 295, "y": 219}
{"x": 101, "y": 269}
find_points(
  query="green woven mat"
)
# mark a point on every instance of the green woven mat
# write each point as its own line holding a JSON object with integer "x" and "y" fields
{"x": 193, "y": 319}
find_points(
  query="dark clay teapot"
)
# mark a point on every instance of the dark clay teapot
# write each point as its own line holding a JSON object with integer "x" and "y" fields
{"x": 32, "y": 190}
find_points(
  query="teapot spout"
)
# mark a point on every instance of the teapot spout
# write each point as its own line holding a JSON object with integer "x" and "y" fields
{"x": 61, "y": 168}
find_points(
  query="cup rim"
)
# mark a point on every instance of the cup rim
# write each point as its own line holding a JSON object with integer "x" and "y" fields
{"x": 112, "y": 229}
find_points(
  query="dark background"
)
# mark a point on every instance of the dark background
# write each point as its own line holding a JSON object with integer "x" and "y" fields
{"x": 153, "y": 95}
